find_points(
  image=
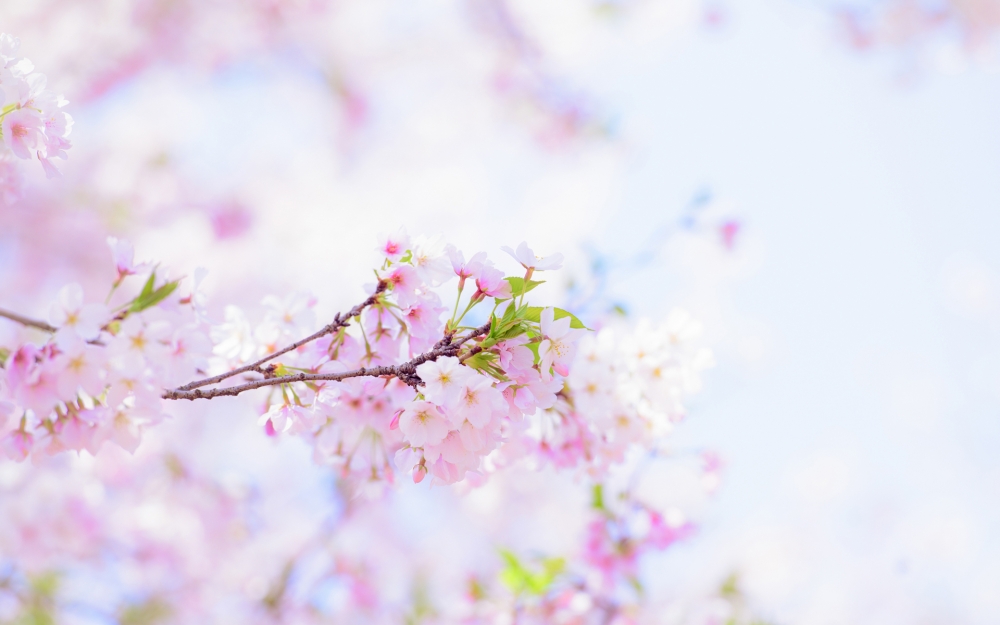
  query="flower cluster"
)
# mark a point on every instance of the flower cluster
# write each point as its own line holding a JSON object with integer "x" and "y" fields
{"x": 625, "y": 390}
{"x": 391, "y": 386}
{"x": 32, "y": 123}
{"x": 403, "y": 389}
{"x": 99, "y": 376}
{"x": 395, "y": 385}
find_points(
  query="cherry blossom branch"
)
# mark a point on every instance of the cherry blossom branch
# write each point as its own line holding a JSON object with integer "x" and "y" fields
{"x": 407, "y": 372}
{"x": 27, "y": 321}
{"x": 339, "y": 321}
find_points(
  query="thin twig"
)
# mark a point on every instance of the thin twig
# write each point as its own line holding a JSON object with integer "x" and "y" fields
{"x": 407, "y": 372}
{"x": 339, "y": 321}
{"x": 26, "y": 321}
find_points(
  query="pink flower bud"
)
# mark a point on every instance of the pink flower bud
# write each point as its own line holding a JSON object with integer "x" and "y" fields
{"x": 419, "y": 472}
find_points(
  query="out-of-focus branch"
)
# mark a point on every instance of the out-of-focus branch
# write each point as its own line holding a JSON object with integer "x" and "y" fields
{"x": 407, "y": 372}
{"x": 27, "y": 321}
{"x": 339, "y": 321}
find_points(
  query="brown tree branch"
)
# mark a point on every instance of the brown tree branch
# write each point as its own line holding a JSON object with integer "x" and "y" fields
{"x": 26, "y": 321}
{"x": 339, "y": 321}
{"x": 407, "y": 372}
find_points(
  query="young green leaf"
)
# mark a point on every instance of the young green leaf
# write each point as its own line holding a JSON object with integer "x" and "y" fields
{"x": 597, "y": 497}
{"x": 484, "y": 362}
{"x": 520, "y": 578}
{"x": 147, "y": 289}
{"x": 149, "y": 300}
{"x": 534, "y": 313}
{"x": 519, "y": 287}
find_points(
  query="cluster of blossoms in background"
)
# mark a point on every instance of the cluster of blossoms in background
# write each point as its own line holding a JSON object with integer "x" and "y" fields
{"x": 164, "y": 543}
{"x": 397, "y": 385}
{"x": 33, "y": 124}
{"x": 100, "y": 375}
{"x": 625, "y": 392}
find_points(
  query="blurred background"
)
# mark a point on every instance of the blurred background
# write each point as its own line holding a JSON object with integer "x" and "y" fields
{"x": 818, "y": 182}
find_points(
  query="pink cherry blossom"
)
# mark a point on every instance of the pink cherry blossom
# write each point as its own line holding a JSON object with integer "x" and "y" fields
{"x": 423, "y": 321}
{"x": 32, "y": 123}
{"x": 186, "y": 354}
{"x": 464, "y": 269}
{"x": 423, "y": 424}
{"x": 490, "y": 282}
{"x": 394, "y": 246}
{"x": 140, "y": 343}
{"x": 124, "y": 258}
{"x": 280, "y": 416}
{"x": 477, "y": 401}
{"x": 516, "y": 359}
{"x": 22, "y": 131}
{"x": 404, "y": 283}
{"x": 33, "y": 379}
{"x": 81, "y": 366}
{"x": 444, "y": 379}
{"x": 559, "y": 346}
{"x": 445, "y": 471}
{"x": 17, "y": 445}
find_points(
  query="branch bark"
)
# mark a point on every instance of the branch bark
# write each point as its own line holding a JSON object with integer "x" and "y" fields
{"x": 339, "y": 321}
{"x": 27, "y": 321}
{"x": 407, "y": 372}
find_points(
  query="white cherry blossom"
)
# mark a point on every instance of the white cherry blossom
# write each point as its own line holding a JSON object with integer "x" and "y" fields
{"x": 70, "y": 313}
{"x": 528, "y": 260}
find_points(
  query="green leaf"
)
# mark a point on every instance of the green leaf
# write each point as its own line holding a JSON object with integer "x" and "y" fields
{"x": 514, "y": 575}
{"x": 519, "y": 287}
{"x": 147, "y": 289}
{"x": 730, "y": 586}
{"x": 516, "y": 329}
{"x": 534, "y": 313}
{"x": 146, "y": 613}
{"x": 484, "y": 361}
{"x": 45, "y": 585}
{"x": 534, "y": 351}
{"x": 520, "y": 578}
{"x": 148, "y": 300}
{"x": 508, "y": 313}
{"x": 597, "y": 501}
{"x": 509, "y": 326}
